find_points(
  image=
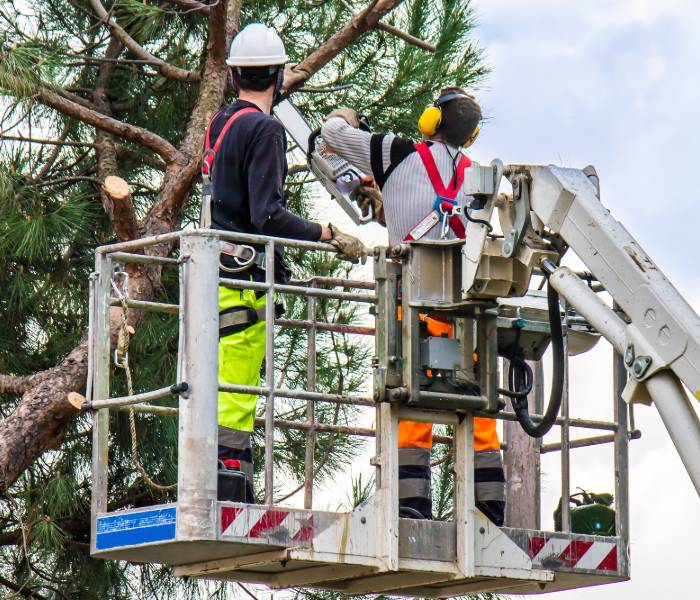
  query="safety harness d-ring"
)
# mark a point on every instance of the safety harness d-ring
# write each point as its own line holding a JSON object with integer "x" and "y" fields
{"x": 242, "y": 262}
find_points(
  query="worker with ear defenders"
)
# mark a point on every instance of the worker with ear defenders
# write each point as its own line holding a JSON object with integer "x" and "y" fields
{"x": 245, "y": 166}
{"x": 416, "y": 179}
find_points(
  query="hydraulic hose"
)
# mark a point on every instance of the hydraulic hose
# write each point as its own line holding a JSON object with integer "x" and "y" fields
{"x": 519, "y": 376}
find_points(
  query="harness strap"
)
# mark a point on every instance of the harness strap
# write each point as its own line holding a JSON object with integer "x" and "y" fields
{"x": 446, "y": 195}
{"x": 209, "y": 152}
{"x": 238, "y": 318}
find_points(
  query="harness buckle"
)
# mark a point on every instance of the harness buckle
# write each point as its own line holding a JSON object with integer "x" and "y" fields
{"x": 207, "y": 164}
{"x": 243, "y": 255}
{"x": 446, "y": 208}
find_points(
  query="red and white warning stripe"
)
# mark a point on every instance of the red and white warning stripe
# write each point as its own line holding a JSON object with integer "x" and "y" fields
{"x": 575, "y": 554}
{"x": 259, "y": 522}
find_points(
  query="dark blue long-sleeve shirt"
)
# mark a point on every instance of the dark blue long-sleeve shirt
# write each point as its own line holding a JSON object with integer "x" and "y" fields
{"x": 248, "y": 184}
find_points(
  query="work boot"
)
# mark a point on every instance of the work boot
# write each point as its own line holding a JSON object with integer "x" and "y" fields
{"x": 232, "y": 484}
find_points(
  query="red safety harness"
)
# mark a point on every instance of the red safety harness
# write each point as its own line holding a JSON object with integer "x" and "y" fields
{"x": 210, "y": 153}
{"x": 244, "y": 256}
{"x": 445, "y": 208}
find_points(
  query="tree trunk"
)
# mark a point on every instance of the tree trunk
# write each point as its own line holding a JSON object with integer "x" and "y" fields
{"x": 522, "y": 463}
{"x": 39, "y": 421}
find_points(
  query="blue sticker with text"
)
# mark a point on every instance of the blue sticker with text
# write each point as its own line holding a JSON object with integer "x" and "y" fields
{"x": 130, "y": 529}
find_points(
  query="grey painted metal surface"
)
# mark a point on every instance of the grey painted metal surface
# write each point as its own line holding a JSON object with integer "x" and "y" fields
{"x": 98, "y": 386}
{"x": 310, "y": 406}
{"x": 622, "y": 439}
{"x": 197, "y": 443}
{"x": 565, "y": 437}
{"x": 270, "y": 372}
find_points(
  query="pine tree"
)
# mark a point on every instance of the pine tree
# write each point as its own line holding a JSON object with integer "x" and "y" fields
{"x": 91, "y": 89}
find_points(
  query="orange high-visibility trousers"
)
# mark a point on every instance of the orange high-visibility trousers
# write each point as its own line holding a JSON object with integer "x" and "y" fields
{"x": 416, "y": 442}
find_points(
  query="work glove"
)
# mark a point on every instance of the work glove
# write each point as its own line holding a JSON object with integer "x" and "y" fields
{"x": 348, "y": 114}
{"x": 349, "y": 247}
{"x": 367, "y": 195}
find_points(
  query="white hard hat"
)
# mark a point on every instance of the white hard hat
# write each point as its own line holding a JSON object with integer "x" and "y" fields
{"x": 257, "y": 45}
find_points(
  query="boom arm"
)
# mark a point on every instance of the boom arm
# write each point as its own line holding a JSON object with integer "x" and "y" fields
{"x": 661, "y": 342}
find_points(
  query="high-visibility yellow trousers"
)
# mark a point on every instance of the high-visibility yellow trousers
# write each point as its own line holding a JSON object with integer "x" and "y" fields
{"x": 241, "y": 354}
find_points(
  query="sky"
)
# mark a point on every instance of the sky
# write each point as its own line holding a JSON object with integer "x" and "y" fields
{"x": 613, "y": 84}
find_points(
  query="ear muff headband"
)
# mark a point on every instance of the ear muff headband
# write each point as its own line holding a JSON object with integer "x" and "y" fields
{"x": 448, "y": 98}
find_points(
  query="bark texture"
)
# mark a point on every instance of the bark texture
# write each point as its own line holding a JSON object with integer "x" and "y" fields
{"x": 39, "y": 421}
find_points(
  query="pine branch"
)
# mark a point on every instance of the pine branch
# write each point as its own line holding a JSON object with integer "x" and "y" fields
{"x": 38, "y": 422}
{"x": 406, "y": 37}
{"x": 115, "y": 192}
{"x": 118, "y": 31}
{"x": 35, "y": 140}
{"x": 22, "y": 590}
{"x": 359, "y": 24}
{"x": 118, "y": 128}
{"x": 192, "y": 6}
{"x": 121, "y": 212}
{"x": 51, "y": 160}
{"x": 177, "y": 182}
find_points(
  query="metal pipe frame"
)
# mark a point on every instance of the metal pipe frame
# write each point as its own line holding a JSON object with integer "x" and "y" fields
{"x": 317, "y": 280}
{"x": 586, "y": 442}
{"x": 129, "y": 400}
{"x": 565, "y": 435}
{"x": 270, "y": 371}
{"x": 622, "y": 439}
{"x": 198, "y": 419}
{"x": 197, "y": 416}
{"x": 316, "y": 326}
{"x": 237, "y": 284}
{"x": 356, "y": 399}
{"x": 143, "y": 259}
{"x": 220, "y": 234}
{"x": 310, "y": 406}
{"x": 98, "y": 386}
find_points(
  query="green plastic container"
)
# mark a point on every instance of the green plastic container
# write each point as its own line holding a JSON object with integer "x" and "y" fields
{"x": 593, "y": 519}
{"x": 590, "y": 514}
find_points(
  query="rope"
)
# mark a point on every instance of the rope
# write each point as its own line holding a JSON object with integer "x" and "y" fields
{"x": 121, "y": 360}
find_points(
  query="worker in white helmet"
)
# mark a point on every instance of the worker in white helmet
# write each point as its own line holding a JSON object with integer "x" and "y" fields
{"x": 244, "y": 158}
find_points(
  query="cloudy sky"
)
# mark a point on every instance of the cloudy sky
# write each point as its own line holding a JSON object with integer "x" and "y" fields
{"x": 614, "y": 84}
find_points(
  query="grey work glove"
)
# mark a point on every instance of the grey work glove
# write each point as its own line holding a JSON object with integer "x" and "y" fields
{"x": 349, "y": 114}
{"x": 367, "y": 195}
{"x": 349, "y": 247}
